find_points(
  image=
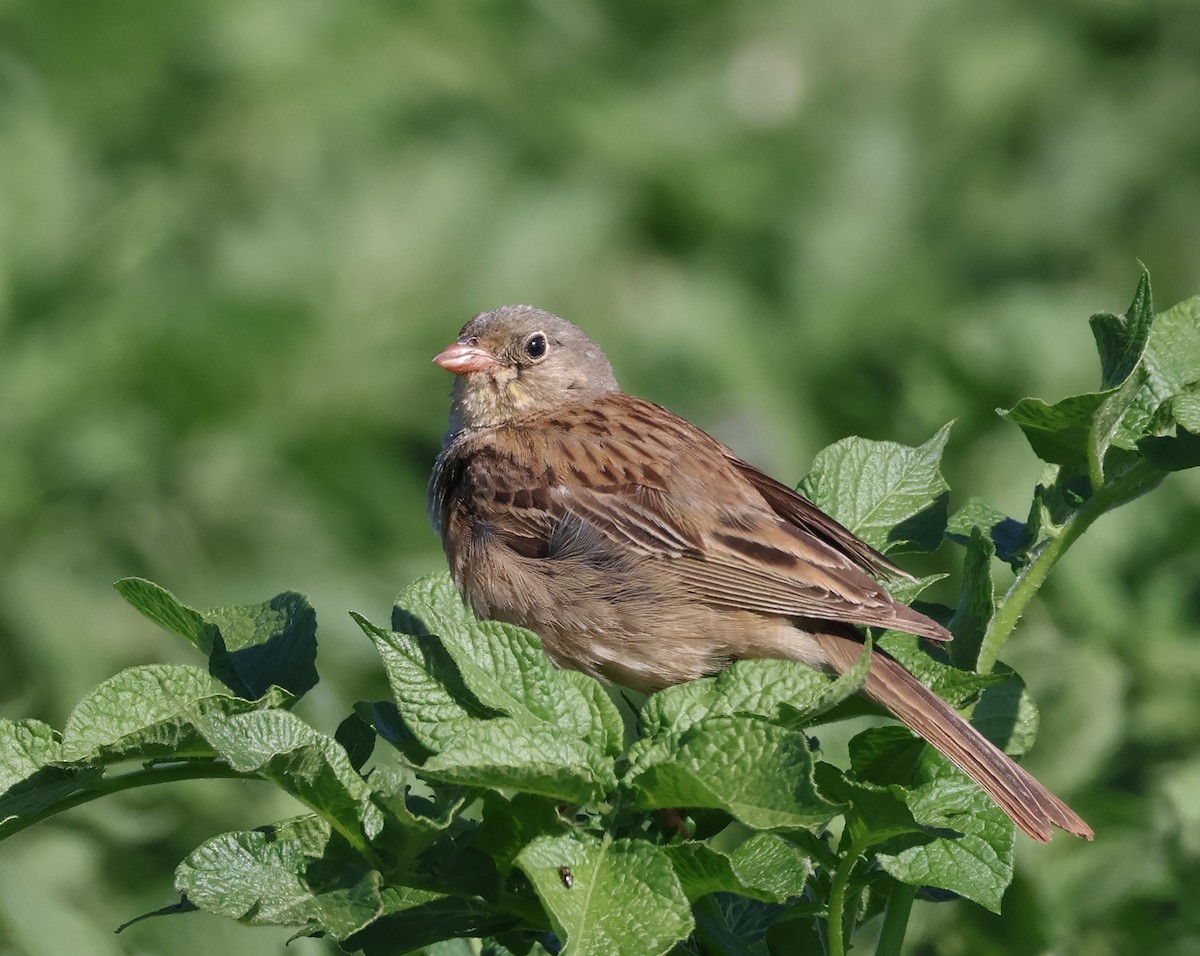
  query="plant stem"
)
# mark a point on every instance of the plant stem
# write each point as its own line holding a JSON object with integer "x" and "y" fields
{"x": 837, "y": 903}
{"x": 895, "y": 919}
{"x": 1137, "y": 480}
{"x": 1027, "y": 584}
{"x": 105, "y": 785}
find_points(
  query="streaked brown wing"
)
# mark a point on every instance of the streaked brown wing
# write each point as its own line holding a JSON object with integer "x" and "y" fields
{"x": 660, "y": 487}
{"x": 795, "y": 508}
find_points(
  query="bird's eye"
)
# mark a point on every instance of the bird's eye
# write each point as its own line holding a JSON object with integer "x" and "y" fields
{"x": 536, "y": 346}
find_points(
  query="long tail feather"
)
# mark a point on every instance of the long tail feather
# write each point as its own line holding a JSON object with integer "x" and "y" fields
{"x": 1032, "y": 807}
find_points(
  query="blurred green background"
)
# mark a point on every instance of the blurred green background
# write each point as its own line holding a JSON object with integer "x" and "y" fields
{"x": 232, "y": 234}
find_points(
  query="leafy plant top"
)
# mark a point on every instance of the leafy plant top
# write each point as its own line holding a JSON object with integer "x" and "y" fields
{"x": 493, "y": 796}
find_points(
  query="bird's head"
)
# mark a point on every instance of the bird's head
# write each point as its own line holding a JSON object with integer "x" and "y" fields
{"x": 517, "y": 361}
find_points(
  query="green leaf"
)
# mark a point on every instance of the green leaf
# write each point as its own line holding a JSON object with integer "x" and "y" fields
{"x": 1176, "y": 446}
{"x": 1057, "y": 433}
{"x": 257, "y": 646}
{"x": 278, "y": 746}
{"x": 874, "y": 814}
{"x": 291, "y": 874}
{"x": 1185, "y": 408}
{"x": 385, "y": 719}
{"x": 976, "y": 602}
{"x": 907, "y": 591}
{"x": 1172, "y": 453}
{"x": 1121, "y": 340}
{"x": 1119, "y": 420}
{"x": 773, "y": 689}
{"x": 516, "y": 943}
{"x": 837, "y": 691}
{"x": 598, "y": 719}
{"x": 738, "y": 926}
{"x": 30, "y": 781}
{"x": 1006, "y": 714}
{"x": 887, "y": 755}
{"x": 1172, "y": 368}
{"x": 780, "y": 691}
{"x": 171, "y": 909}
{"x": 173, "y": 712}
{"x": 796, "y": 935}
{"x": 165, "y": 610}
{"x": 428, "y": 815}
{"x": 504, "y": 753}
{"x": 431, "y": 698}
{"x": 414, "y": 918}
{"x": 357, "y": 737}
{"x": 764, "y": 867}
{"x": 977, "y": 862}
{"x": 1147, "y": 362}
{"x": 1057, "y": 497}
{"x": 251, "y": 647}
{"x": 621, "y": 897}
{"x": 460, "y": 947}
{"x": 838, "y": 700}
{"x": 1009, "y": 536}
{"x": 488, "y": 705}
{"x": 892, "y": 496}
{"x": 151, "y": 711}
{"x": 26, "y": 746}
{"x": 508, "y": 825}
{"x": 757, "y": 771}
{"x": 968, "y": 846}
{"x": 1077, "y": 431}
{"x": 505, "y": 667}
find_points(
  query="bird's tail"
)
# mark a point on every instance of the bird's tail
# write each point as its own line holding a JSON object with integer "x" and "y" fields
{"x": 1032, "y": 807}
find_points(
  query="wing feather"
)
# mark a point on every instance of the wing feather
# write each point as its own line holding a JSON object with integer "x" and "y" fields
{"x": 667, "y": 490}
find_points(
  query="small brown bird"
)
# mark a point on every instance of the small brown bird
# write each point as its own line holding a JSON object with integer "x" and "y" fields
{"x": 645, "y": 552}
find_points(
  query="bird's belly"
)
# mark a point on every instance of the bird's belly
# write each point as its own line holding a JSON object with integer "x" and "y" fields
{"x": 636, "y": 626}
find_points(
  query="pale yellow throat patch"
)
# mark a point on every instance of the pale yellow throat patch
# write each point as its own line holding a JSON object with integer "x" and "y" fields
{"x": 492, "y": 397}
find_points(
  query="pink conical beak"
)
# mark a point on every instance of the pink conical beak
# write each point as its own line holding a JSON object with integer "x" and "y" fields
{"x": 461, "y": 358}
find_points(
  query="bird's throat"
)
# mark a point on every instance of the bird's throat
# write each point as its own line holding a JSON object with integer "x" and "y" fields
{"x": 484, "y": 399}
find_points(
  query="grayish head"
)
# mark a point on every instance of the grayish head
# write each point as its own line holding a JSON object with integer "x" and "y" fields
{"x": 517, "y": 361}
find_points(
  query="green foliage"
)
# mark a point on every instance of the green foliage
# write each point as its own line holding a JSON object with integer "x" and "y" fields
{"x": 524, "y": 804}
{"x": 231, "y": 235}
{"x": 897, "y": 502}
